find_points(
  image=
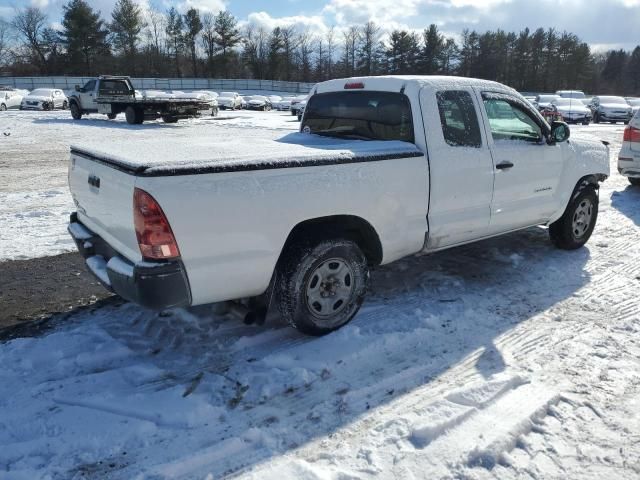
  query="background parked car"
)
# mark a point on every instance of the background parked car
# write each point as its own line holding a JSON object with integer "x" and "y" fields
{"x": 544, "y": 101}
{"x": 611, "y": 109}
{"x": 295, "y": 103}
{"x": 10, "y": 98}
{"x": 258, "y": 102}
{"x": 629, "y": 157}
{"x": 635, "y": 104}
{"x": 571, "y": 94}
{"x": 45, "y": 99}
{"x": 229, "y": 100}
{"x": 572, "y": 110}
{"x": 284, "y": 104}
{"x": 301, "y": 107}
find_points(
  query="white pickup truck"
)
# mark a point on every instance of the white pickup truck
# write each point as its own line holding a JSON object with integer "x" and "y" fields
{"x": 383, "y": 168}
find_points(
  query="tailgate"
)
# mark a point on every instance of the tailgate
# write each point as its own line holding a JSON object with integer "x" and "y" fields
{"x": 103, "y": 196}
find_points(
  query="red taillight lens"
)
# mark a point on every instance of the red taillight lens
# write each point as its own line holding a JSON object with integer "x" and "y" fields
{"x": 631, "y": 134}
{"x": 155, "y": 238}
{"x": 353, "y": 85}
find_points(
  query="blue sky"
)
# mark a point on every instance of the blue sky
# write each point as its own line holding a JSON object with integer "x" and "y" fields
{"x": 602, "y": 23}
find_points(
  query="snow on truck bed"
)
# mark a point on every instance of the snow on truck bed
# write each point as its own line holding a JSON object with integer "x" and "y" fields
{"x": 149, "y": 157}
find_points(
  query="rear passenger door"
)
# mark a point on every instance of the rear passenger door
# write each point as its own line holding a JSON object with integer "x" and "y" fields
{"x": 460, "y": 165}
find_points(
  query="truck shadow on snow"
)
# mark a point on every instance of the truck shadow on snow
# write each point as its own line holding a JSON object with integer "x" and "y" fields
{"x": 424, "y": 315}
{"x": 627, "y": 202}
{"x": 105, "y": 122}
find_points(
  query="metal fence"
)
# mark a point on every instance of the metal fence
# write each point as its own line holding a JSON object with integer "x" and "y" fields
{"x": 216, "y": 84}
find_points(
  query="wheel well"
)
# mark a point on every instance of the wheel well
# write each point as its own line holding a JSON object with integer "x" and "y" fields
{"x": 339, "y": 226}
{"x": 589, "y": 181}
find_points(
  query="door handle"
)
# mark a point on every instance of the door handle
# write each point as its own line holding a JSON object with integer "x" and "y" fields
{"x": 504, "y": 166}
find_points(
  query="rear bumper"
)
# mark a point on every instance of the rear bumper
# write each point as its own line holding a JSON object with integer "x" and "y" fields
{"x": 629, "y": 165}
{"x": 155, "y": 285}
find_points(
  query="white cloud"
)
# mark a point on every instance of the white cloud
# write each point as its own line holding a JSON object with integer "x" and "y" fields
{"x": 314, "y": 24}
{"x": 213, "y": 6}
{"x": 40, "y": 3}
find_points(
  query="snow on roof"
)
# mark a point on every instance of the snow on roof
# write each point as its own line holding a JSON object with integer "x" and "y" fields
{"x": 396, "y": 82}
{"x": 185, "y": 155}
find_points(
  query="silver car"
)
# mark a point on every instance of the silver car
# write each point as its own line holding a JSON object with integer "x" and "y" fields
{"x": 572, "y": 110}
{"x": 611, "y": 109}
{"x": 44, "y": 99}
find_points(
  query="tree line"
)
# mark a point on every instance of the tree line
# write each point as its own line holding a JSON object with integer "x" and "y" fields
{"x": 194, "y": 44}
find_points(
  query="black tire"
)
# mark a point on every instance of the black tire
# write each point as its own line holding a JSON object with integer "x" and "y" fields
{"x": 112, "y": 116}
{"x": 65, "y": 105}
{"x": 76, "y": 113}
{"x": 169, "y": 119}
{"x": 634, "y": 181}
{"x": 564, "y": 233}
{"x": 3, "y": 107}
{"x": 299, "y": 270}
{"x": 133, "y": 115}
{"x": 214, "y": 112}
{"x": 596, "y": 118}
{"x": 585, "y": 122}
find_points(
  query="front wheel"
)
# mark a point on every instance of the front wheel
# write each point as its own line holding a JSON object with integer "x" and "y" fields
{"x": 112, "y": 116}
{"x": 169, "y": 119}
{"x": 321, "y": 286}
{"x": 574, "y": 228}
{"x": 76, "y": 113}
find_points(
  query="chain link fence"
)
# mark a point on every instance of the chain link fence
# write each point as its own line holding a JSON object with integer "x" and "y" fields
{"x": 215, "y": 84}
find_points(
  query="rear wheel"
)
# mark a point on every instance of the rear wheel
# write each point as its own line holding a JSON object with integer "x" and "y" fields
{"x": 634, "y": 181}
{"x": 574, "y": 228}
{"x": 169, "y": 119}
{"x": 112, "y": 116}
{"x": 76, "y": 113}
{"x": 322, "y": 285}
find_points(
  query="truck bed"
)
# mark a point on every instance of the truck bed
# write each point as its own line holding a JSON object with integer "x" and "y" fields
{"x": 187, "y": 156}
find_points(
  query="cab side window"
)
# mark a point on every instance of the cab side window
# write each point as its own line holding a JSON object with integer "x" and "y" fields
{"x": 458, "y": 119}
{"x": 89, "y": 86}
{"x": 509, "y": 121}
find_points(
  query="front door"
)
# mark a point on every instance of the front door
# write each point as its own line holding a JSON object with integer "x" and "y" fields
{"x": 460, "y": 167}
{"x": 527, "y": 169}
{"x": 88, "y": 96}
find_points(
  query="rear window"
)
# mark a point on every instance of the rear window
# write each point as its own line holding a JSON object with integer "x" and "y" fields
{"x": 366, "y": 115}
{"x": 458, "y": 118}
{"x": 114, "y": 87}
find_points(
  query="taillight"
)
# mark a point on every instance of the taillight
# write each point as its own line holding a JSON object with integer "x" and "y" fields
{"x": 155, "y": 238}
{"x": 631, "y": 134}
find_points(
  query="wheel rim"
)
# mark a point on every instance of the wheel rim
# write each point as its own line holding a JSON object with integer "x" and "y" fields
{"x": 329, "y": 289}
{"x": 582, "y": 218}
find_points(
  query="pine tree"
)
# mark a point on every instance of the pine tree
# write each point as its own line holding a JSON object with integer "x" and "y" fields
{"x": 84, "y": 35}
{"x": 368, "y": 51}
{"x": 402, "y": 52}
{"x": 126, "y": 25}
{"x": 633, "y": 72}
{"x": 175, "y": 36}
{"x": 227, "y": 36}
{"x": 193, "y": 26}
{"x": 432, "y": 50}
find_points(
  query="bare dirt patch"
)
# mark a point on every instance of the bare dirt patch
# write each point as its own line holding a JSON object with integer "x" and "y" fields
{"x": 34, "y": 289}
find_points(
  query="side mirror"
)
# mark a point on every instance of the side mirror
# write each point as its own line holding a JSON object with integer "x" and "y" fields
{"x": 559, "y": 132}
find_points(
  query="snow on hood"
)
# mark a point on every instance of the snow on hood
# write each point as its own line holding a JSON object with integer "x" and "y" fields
{"x": 38, "y": 98}
{"x": 618, "y": 106}
{"x": 150, "y": 157}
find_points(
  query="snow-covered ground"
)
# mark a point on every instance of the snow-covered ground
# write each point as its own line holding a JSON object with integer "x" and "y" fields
{"x": 504, "y": 359}
{"x": 34, "y": 150}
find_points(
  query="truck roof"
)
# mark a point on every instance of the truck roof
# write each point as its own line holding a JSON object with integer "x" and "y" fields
{"x": 397, "y": 82}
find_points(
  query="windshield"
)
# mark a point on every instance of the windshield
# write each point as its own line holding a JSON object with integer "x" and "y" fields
{"x": 568, "y": 102}
{"x": 613, "y": 100}
{"x": 571, "y": 94}
{"x": 227, "y": 94}
{"x": 42, "y": 92}
{"x": 365, "y": 115}
{"x": 547, "y": 98}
